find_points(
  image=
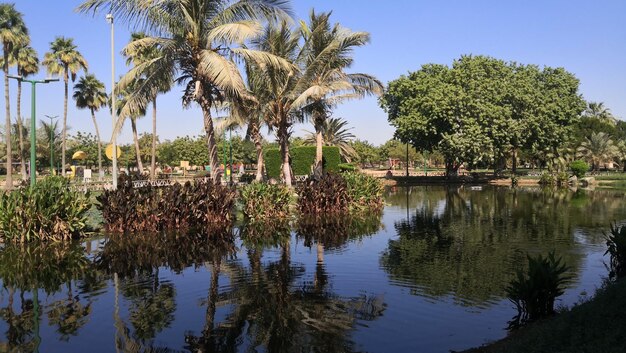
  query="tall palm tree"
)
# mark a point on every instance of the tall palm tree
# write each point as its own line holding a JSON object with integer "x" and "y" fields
{"x": 64, "y": 59}
{"x": 198, "y": 39}
{"x": 599, "y": 111}
{"x": 598, "y": 149}
{"x": 124, "y": 101}
{"x": 13, "y": 33}
{"x": 27, "y": 62}
{"x": 279, "y": 86}
{"x": 142, "y": 94}
{"x": 328, "y": 52}
{"x": 335, "y": 133}
{"x": 90, "y": 93}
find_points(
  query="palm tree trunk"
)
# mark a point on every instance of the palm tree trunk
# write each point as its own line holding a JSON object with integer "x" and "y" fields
{"x": 95, "y": 123}
{"x": 7, "y": 133}
{"x": 319, "y": 142}
{"x": 64, "y": 134}
{"x": 20, "y": 130}
{"x": 255, "y": 134}
{"x": 210, "y": 136}
{"x": 154, "y": 137}
{"x": 133, "y": 124}
{"x": 212, "y": 299}
{"x": 283, "y": 139}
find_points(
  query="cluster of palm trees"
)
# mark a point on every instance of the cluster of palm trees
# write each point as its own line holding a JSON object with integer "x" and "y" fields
{"x": 242, "y": 58}
{"x": 62, "y": 59}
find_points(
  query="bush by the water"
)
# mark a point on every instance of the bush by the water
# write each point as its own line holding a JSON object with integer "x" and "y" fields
{"x": 340, "y": 193}
{"x": 365, "y": 192}
{"x": 616, "y": 248}
{"x": 579, "y": 168}
{"x": 326, "y": 194}
{"x": 534, "y": 290}
{"x": 49, "y": 210}
{"x": 201, "y": 205}
{"x": 264, "y": 201}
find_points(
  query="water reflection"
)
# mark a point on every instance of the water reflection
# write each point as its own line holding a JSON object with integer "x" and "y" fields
{"x": 260, "y": 290}
{"x": 25, "y": 269}
{"x": 467, "y": 244}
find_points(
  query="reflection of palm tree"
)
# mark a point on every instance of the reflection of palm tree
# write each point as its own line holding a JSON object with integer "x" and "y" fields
{"x": 279, "y": 310}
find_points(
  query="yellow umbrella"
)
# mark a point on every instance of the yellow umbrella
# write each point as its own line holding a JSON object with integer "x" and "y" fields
{"x": 79, "y": 155}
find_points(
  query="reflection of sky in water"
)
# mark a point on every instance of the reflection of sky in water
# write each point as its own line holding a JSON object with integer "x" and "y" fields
{"x": 424, "y": 310}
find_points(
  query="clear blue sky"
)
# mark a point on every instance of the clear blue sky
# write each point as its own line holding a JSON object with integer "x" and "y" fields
{"x": 588, "y": 38}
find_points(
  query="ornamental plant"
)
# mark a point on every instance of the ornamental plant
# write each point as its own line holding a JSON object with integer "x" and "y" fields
{"x": 49, "y": 210}
{"x": 265, "y": 202}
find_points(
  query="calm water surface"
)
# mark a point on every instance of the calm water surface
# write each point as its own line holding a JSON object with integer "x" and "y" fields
{"x": 428, "y": 275}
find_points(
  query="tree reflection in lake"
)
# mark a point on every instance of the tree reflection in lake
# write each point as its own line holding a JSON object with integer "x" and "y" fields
{"x": 29, "y": 268}
{"x": 467, "y": 243}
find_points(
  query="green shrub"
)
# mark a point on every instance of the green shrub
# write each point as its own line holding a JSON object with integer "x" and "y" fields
{"x": 50, "y": 210}
{"x": 365, "y": 192}
{"x": 347, "y": 167}
{"x": 272, "y": 162}
{"x": 302, "y": 159}
{"x": 533, "y": 291}
{"x": 327, "y": 194}
{"x": 264, "y": 201}
{"x": 201, "y": 205}
{"x": 562, "y": 179}
{"x": 616, "y": 248}
{"x": 579, "y": 168}
{"x": 547, "y": 179}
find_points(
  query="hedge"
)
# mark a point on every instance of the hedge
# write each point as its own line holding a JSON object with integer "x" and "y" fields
{"x": 302, "y": 158}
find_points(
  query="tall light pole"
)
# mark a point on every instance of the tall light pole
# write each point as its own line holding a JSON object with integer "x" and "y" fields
{"x": 51, "y": 143}
{"x": 109, "y": 18}
{"x": 33, "y": 126}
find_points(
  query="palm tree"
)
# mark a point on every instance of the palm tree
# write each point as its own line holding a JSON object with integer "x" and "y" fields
{"x": 278, "y": 87}
{"x": 138, "y": 98}
{"x": 328, "y": 51}
{"x": 335, "y": 133}
{"x": 197, "y": 39}
{"x": 124, "y": 101}
{"x": 13, "y": 33}
{"x": 598, "y": 149}
{"x": 89, "y": 93}
{"x": 64, "y": 59}
{"x": 599, "y": 111}
{"x": 25, "y": 57}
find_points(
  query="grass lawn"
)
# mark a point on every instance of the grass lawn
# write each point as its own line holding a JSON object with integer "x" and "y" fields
{"x": 598, "y": 325}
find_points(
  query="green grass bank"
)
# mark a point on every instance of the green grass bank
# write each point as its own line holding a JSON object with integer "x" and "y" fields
{"x": 598, "y": 325}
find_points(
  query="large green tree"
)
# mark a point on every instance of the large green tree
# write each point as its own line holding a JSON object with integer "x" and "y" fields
{"x": 199, "y": 39}
{"x": 482, "y": 110}
{"x": 90, "y": 93}
{"x": 13, "y": 33}
{"x": 64, "y": 59}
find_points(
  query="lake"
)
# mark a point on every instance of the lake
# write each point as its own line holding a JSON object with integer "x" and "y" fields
{"x": 428, "y": 275}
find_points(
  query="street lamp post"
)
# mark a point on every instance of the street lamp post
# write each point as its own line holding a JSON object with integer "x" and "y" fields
{"x": 109, "y": 18}
{"x": 33, "y": 126}
{"x": 51, "y": 143}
